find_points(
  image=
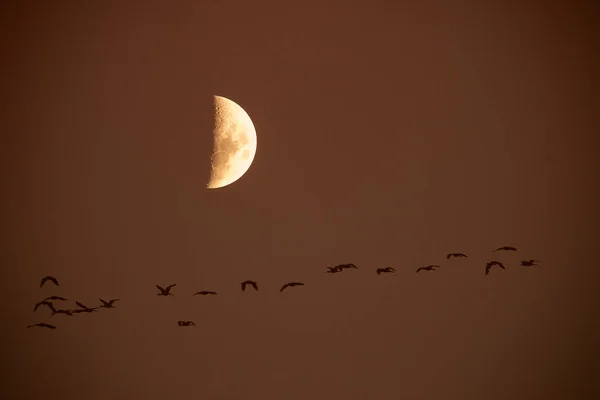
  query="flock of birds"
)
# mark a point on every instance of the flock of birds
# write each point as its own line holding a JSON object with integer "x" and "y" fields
{"x": 50, "y": 301}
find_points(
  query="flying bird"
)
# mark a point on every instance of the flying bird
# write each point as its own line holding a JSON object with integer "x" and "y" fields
{"x": 529, "y": 263}
{"x": 167, "y": 291}
{"x": 457, "y": 255}
{"x": 56, "y": 298}
{"x": 346, "y": 266}
{"x": 66, "y": 312}
{"x": 186, "y": 323}
{"x": 291, "y": 284}
{"x": 42, "y": 325}
{"x": 506, "y": 248}
{"x": 108, "y": 304}
{"x": 204, "y": 293}
{"x": 44, "y": 303}
{"x": 385, "y": 270}
{"x": 251, "y": 283}
{"x": 428, "y": 268}
{"x": 49, "y": 278}
{"x": 84, "y": 308}
{"x": 489, "y": 265}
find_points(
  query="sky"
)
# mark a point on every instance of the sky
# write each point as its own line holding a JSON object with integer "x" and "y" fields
{"x": 389, "y": 134}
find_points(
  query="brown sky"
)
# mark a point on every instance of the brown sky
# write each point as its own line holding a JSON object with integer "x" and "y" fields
{"x": 389, "y": 133}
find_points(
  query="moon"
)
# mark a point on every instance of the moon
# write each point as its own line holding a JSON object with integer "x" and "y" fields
{"x": 234, "y": 145}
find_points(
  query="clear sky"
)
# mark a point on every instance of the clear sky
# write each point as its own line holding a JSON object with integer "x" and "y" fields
{"x": 389, "y": 134}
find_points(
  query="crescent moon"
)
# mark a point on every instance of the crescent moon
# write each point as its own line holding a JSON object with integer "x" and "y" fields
{"x": 234, "y": 143}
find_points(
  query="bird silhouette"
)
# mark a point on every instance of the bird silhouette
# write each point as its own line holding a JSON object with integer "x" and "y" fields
{"x": 186, "y": 323}
{"x": 66, "y": 312}
{"x": 49, "y": 278}
{"x": 291, "y": 284}
{"x": 84, "y": 308}
{"x": 167, "y": 291}
{"x": 346, "y": 266}
{"x": 506, "y": 248}
{"x": 251, "y": 283}
{"x": 489, "y": 265}
{"x": 529, "y": 263}
{"x": 333, "y": 270}
{"x": 457, "y": 255}
{"x": 42, "y": 325}
{"x": 385, "y": 270}
{"x": 44, "y": 303}
{"x": 108, "y": 304}
{"x": 204, "y": 293}
{"x": 428, "y": 268}
{"x": 56, "y": 298}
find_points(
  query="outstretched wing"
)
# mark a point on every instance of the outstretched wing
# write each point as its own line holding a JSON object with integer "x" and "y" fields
{"x": 284, "y": 286}
{"x": 420, "y": 268}
{"x": 81, "y": 305}
{"x": 168, "y": 289}
{"x": 244, "y": 286}
{"x": 162, "y": 290}
{"x": 254, "y": 285}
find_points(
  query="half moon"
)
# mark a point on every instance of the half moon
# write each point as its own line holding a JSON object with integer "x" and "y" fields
{"x": 234, "y": 143}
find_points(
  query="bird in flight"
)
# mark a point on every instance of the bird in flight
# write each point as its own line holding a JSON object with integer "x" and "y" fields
{"x": 44, "y": 303}
{"x": 489, "y": 265}
{"x": 457, "y": 255}
{"x": 56, "y": 298}
{"x": 529, "y": 263}
{"x": 251, "y": 283}
{"x": 66, "y": 312}
{"x": 108, "y": 304}
{"x": 333, "y": 270}
{"x": 84, "y": 308}
{"x": 204, "y": 293}
{"x": 346, "y": 266}
{"x": 186, "y": 323}
{"x": 167, "y": 291}
{"x": 49, "y": 278}
{"x": 428, "y": 268}
{"x": 291, "y": 284}
{"x": 385, "y": 270}
{"x": 42, "y": 325}
{"x": 506, "y": 248}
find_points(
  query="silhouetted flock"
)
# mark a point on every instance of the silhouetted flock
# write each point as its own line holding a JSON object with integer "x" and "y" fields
{"x": 51, "y": 302}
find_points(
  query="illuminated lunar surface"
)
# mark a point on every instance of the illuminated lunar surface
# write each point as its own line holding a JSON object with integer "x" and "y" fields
{"x": 234, "y": 143}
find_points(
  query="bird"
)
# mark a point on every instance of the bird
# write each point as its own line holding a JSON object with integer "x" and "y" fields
{"x": 333, "y": 270}
{"x": 489, "y": 265}
{"x": 56, "y": 298}
{"x": 108, "y": 304}
{"x": 66, "y": 312}
{"x": 385, "y": 270}
{"x": 428, "y": 268}
{"x": 204, "y": 293}
{"x": 251, "y": 283}
{"x": 84, "y": 308}
{"x": 529, "y": 263}
{"x": 49, "y": 278}
{"x": 291, "y": 284}
{"x": 44, "y": 303}
{"x": 346, "y": 266}
{"x": 42, "y": 325}
{"x": 167, "y": 291}
{"x": 458, "y": 255}
{"x": 506, "y": 248}
{"x": 186, "y": 323}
